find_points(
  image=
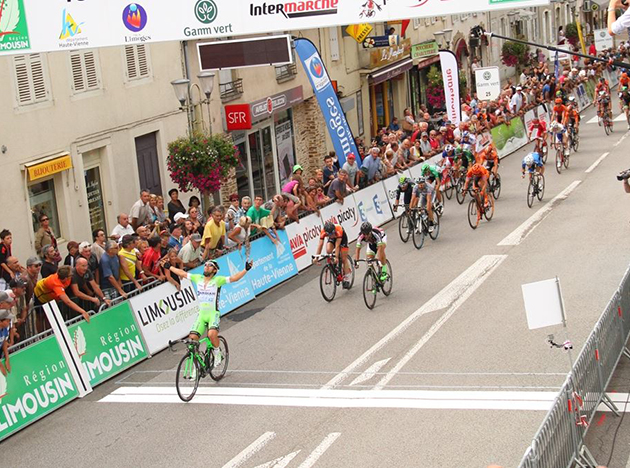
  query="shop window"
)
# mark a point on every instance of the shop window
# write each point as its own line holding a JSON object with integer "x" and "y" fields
{"x": 242, "y": 171}
{"x": 43, "y": 201}
{"x": 284, "y": 146}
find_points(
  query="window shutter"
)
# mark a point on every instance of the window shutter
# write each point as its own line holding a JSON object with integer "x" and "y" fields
{"x": 76, "y": 66}
{"x": 85, "y": 72}
{"x": 30, "y": 79}
{"x": 23, "y": 80}
{"x": 143, "y": 60}
{"x": 137, "y": 62}
{"x": 130, "y": 58}
{"x": 91, "y": 70}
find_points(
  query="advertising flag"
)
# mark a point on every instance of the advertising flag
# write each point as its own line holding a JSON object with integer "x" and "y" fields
{"x": 450, "y": 76}
{"x": 336, "y": 122}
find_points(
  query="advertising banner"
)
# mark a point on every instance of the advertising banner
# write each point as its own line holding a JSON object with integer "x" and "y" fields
{"x": 109, "y": 344}
{"x": 509, "y": 138}
{"x": 373, "y": 205}
{"x": 391, "y": 184}
{"x": 304, "y": 238}
{"x": 44, "y": 25}
{"x": 450, "y": 76}
{"x": 582, "y": 97}
{"x": 286, "y": 156}
{"x": 39, "y": 383}
{"x": 164, "y": 314}
{"x": 272, "y": 264}
{"x": 359, "y": 31}
{"x": 611, "y": 77}
{"x": 543, "y": 114}
{"x": 529, "y": 116}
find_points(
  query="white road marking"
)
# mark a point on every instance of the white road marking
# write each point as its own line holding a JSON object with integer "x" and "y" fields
{"x": 280, "y": 462}
{"x": 461, "y": 298}
{"x": 596, "y": 163}
{"x": 319, "y": 451}
{"x": 441, "y": 300}
{"x": 620, "y": 140}
{"x": 520, "y": 233}
{"x": 369, "y": 372}
{"x": 619, "y": 118}
{"x": 250, "y": 451}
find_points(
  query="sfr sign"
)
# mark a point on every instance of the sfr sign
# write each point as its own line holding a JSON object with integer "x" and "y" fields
{"x": 238, "y": 117}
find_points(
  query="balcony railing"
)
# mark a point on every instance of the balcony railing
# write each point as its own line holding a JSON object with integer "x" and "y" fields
{"x": 286, "y": 72}
{"x": 231, "y": 90}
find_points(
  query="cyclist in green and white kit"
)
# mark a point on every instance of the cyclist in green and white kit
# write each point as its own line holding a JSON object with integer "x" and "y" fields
{"x": 208, "y": 286}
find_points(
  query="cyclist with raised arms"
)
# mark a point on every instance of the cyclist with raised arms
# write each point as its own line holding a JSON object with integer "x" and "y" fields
{"x": 479, "y": 176}
{"x": 424, "y": 193}
{"x": 208, "y": 286}
{"x": 405, "y": 188}
{"x": 376, "y": 240}
{"x": 337, "y": 243}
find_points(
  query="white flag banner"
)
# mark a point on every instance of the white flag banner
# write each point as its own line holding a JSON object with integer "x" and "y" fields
{"x": 450, "y": 76}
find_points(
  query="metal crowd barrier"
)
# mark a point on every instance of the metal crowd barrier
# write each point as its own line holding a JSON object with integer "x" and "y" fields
{"x": 559, "y": 442}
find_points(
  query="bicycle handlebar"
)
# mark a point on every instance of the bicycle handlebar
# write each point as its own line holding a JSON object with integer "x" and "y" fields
{"x": 186, "y": 341}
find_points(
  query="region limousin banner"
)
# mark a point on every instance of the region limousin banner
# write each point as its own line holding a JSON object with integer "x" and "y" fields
{"x": 336, "y": 122}
{"x": 31, "y": 26}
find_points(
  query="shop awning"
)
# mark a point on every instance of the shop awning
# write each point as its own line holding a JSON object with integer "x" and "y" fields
{"x": 430, "y": 61}
{"x": 47, "y": 166}
{"x": 390, "y": 71}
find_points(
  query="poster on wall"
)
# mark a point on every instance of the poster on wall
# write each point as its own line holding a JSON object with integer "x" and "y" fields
{"x": 286, "y": 155}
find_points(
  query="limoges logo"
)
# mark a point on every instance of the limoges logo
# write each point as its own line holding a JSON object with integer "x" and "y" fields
{"x": 134, "y": 17}
{"x": 315, "y": 68}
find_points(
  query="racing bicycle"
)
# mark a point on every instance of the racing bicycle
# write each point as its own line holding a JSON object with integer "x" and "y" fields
{"x": 574, "y": 138}
{"x": 477, "y": 210}
{"x": 494, "y": 185}
{"x": 405, "y": 223}
{"x": 542, "y": 148}
{"x": 332, "y": 276}
{"x": 372, "y": 283}
{"x": 196, "y": 365}
{"x": 561, "y": 158}
{"x": 448, "y": 183}
{"x": 535, "y": 188}
{"x": 422, "y": 227}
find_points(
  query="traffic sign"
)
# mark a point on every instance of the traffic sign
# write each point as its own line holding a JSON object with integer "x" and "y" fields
{"x": 488, "y": 81}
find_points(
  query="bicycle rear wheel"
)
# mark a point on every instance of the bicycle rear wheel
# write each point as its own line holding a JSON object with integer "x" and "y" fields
{"x": 418, "y": 233}
{"x": 458, "y": 190}
{"x": 531, "y": 191}
{"x": 389, "y": 282}
{"x": 328, "y": 283}
{"x": 218, "y": 372}
{"x": 497, "y": 186}
{"x": 545, "y": 152}
{"x": 369, "y": 288}
{"x": 187, "y": 378}
{"x": 473, "y": 219}
{"x": 489, "y": 212}
{"x": 566, "y": 161}
{"x": 541, "y": 187}
{"x": 448, "y": 187}
{"x": 403, "y": 227}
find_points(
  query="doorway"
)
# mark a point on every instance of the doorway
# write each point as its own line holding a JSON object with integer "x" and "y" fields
{"x": 148, "y": 163}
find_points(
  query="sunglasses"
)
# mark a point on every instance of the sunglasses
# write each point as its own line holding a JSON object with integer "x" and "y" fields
{"x": 45, "y": 219}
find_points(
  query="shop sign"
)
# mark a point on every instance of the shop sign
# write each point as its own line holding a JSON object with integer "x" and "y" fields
{"x": 265, "y": 107}
{"x": 108, "y": 344}
{"x": 426, "y": 49}
{"x": 39, "y": 383}
{"x": 238, "y": 117}
{"x": 387, "y": 55}
{"x": 359, "y": 31}
{"x": 53, "y": 166}
{"x": 391, "y": 40}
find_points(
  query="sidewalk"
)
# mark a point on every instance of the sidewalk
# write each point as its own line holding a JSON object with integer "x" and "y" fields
{"x": 601, "y": 434}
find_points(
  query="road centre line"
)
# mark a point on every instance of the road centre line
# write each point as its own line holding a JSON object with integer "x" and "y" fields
{"x": 470, "y": 289}
{"x": 596, "y": 163}
{"x": 250, "y": 450}
{"x": 620, "y": 140}
{"x": 521, "y": 232}
{"x": 320, "y": 449}
{"x": 441, "y": 300}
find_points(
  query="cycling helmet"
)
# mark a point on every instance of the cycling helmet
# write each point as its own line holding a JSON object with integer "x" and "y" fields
{"x": 602, "y": 93}
{"x": 213, "y": 263}
{"x": 329, "y": 228}
{"x": 558, "y": 101}
{"x": 402, "y": 180}
{"x": 624, "y": 89}
{"x": 529, "y": 160}
{"x": 466, "y": 134}
{"x": 572, "y": 99}
{"x": 535, "y": 120}
{"x": 424, "y": 168}
{"x": 366, "y": 228}
{"x": 558, "y": 93}
{"x": 458, "y": 150}
{"x": 602, "y": 79}
{"x": 421, "y": 180}
{"x": 449, "y": 148}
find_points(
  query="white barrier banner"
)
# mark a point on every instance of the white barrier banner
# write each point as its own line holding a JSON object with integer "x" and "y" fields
{"x": 391, "y": 184}
{"x": 347, "y": 215}
{"x": 529, "y": 116}
{"x": 544, "y": 115}
{"x": 372, "y": 205}
{"x": 415, "y": 171}
{"x": 164, "y": 313}
{"x": 303, "y": 239}
{"x": 582, "y": 97}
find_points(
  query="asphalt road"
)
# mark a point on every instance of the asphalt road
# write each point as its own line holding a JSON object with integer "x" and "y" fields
{"x": 443, "y": 373}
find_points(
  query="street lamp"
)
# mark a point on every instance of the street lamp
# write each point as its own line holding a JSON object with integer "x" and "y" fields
{"x": 183, "y": 93}
{"x": 448, "y": 35}
{"x": 443, "y": 38}
{"x": 439, "y": 37}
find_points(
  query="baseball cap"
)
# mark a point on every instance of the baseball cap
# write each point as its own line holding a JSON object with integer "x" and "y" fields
{"x": 518, "y": 88}
{"x": 425, "y": 134}
{"x": 179, "y": 216}
{"x": 195, "y": 237}
{"x": 33, "y": 261}
{"x": 84, "y": 244}
{"x": 351, "y": 155}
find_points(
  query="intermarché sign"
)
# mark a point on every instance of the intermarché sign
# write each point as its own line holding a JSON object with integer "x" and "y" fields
{"x": 425, "y": 49}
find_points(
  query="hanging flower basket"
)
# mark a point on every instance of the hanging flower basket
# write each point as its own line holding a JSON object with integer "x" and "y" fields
{"x": 201, "y": 162}
{"x": 514, "y": 54}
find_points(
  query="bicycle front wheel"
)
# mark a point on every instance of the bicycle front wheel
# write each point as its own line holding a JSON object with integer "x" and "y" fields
{"x": 187, "y": 378}
{"x": 545, "y": 151}
{"x": 389, "y": 282}
{"x": 576, "y": 143}
{"x": 489, "y": 212}
{"x": 404, "y": 224}
{"x": 436, "y": 228}
{"x": 497, "y": 186}
{"x": 531, "y": 191}
{"x": 559, "y": 161}
{"x": 566, "y": 161}
{"x": 448, "y": 188}
{"x": 369, "y": 288}
{"x": 328, "y": 283}
{"x": 458, "y": 190}
{"x": 607, "y": 129}
{"x": 218, "y": 372}
{"x": 418, "y": 233}
{"x": 541, "y": 187}
{"x": 352, "y": 272}
{"x": 473, "y": 218}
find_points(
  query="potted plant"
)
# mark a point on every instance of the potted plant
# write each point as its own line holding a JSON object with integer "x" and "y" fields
{"x": 515, "y": 54}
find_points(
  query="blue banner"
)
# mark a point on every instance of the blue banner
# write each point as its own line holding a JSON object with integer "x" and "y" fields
{"x": 556, "y": 67}
{"x": 273, "y": 264}
{"x": 232, "y": 295}
{"x": 336, "y": 122}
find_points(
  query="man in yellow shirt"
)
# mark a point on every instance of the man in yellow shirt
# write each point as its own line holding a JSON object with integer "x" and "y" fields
{"x": 129, "y": 263}
{"x": 213, "y": 234}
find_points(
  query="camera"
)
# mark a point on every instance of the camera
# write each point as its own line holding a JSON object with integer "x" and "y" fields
{"x": 624, "y": 175}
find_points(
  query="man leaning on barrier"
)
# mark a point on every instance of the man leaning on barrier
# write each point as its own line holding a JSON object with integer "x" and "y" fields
{"x": 53, "y": 288}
